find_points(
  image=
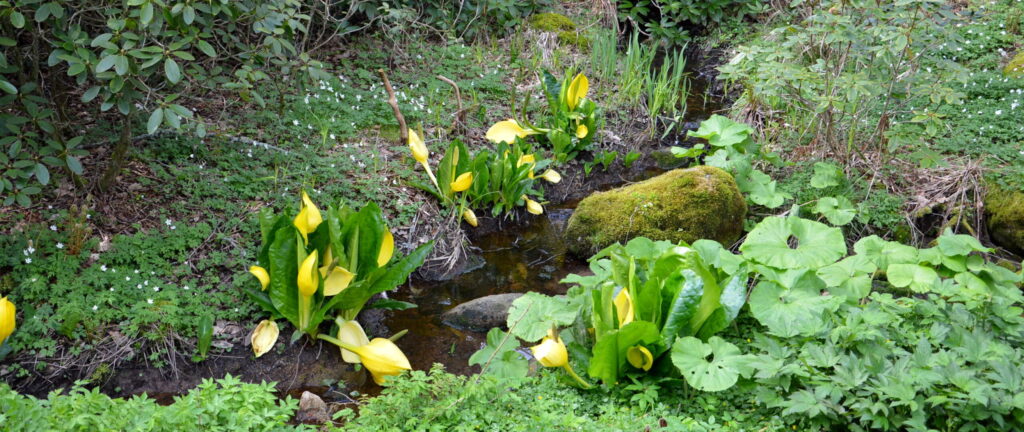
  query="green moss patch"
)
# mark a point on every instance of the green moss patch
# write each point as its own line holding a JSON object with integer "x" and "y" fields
{"x": 680, "y": 205}
{"x": 1015, "y": 69}
{"x": 552, "y": 22}
{"x": 1004, "y": 210}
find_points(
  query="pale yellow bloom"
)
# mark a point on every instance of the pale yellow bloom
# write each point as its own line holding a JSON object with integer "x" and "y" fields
{"x": 463, "y": 182}
{"x": 470, "y": 217}
{"x": 262, "y": 275}
{"x": 307, "y": 281}
{"x": 418, "y": 147}
{"x": 640, "y": 357}
{"x": 308, "y": 218}
{"x": 577, "y": 91}
{"x": 507, "y": 131}
{"x": 351, "y": 333}
{"x": 551, "y": 176}
{"x": 387, "y": 249}
{"x": 551, "y": 351}
{"x": 533, "y": 207}
{"x": 382, "y": 358}
{"x": 582, "y": 131}
{"x": 624, "y": 307}
{"x": 7, "y": 323}
{"x": 264, "y": 337}
{"x": 337, "y": 281}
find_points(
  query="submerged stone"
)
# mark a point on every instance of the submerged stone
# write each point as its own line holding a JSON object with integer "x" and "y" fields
{"x": 680, "y": 205}
{"x": 1004, "y": 211}
{"x": 481, "y": 314}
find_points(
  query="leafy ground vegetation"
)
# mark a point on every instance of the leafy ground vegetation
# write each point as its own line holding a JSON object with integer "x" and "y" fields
{"x": 171, "y": 169}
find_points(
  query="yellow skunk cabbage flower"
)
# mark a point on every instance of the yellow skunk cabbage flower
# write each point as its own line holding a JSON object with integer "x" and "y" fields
{"x": 381, "y": 357}
{"x": 533, "y": 207}
{"x": 306, "y": 281}
{"x": 387, "y": 249}
{"x": 350, "y": 332}
{"x": 337, "y": 281}
{"x": 262, "y": 275}
{"x": 470, "y": 217}
{"x": 7, "y": 324}
{"x": 507, "y": 131}
{"x": 264, "y": 337}
{"x": 582, "y": 131}
{"x": 551, "y": 351}
{"x": 526, "y": 159}
{"x": 577, "y": 91}
{"x": 640, "y": 357}
{"x": 308, "y": 218}
{"x": 418, "y": 147}
{"x": 624, "y": 307}
{"x": 551, "y": 176}
{"x": 463, "y": 182}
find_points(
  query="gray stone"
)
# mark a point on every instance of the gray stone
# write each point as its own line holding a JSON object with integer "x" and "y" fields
{"x": 481, "y": 314}
{"x": 312, "y": 410}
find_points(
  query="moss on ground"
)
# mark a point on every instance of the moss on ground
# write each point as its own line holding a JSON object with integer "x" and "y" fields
{"x": 680, "y": 205}
{"x": 1004, "y": 210}
{"x": 552, "y": 22}
{"x": 1015, "y": 69}
{"x": 571, "y": 38}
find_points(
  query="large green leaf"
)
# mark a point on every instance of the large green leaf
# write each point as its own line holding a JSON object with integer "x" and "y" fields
{"x": 884, "y": 253}
{"x": 816, "y": 244}
{"x": 918, "y": 278}
{"x": 850, "y": 277}
{"x": 838, "y": 210}
{"x": 682, "y": 295}
{"x": 608, "y": 361}
{"x": 499, "y": 356}
{"x": 732, "y": 299}
{"x": 799, "y": 310}
{"x": 712, "y": 366}
{"x": 284, "y": 269}
{"x": 826, "y": 175}
{"x": 959, "y": 244}
{"x": 533, "y": 314}
{"x": 721, "y": 131}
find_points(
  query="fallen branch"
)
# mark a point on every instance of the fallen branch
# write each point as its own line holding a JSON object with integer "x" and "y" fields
{"x": 393, "y": 101}
{"x": 461, "y": 113}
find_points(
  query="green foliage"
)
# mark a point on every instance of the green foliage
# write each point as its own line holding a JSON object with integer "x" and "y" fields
{"x": 733, "y": 149}
{"x": 223, "y": 405}
{"x": 471, "y": 20}
{"x": 666, "y": 20}
{"x": 572, "y": 116}
{"x": 552, "y": 22}
{"x": 504, "y": 178}
{"x": 347, "y": 240}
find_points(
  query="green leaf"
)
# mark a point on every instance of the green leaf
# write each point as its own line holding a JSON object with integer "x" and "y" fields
{"x": 712, "y": 366}
{"x": 106, "y": 63}
{"x": 17, "y": 19}
{"x": 499, "y": 357}
{"x": 608, "y": 362}
{"x": 826, "y": 175}
{"x": 798, "y": 310}
{"x": 838, "y": 210}
{"x": 154, "y": 121}
{"x": 42, "y": 174}
{"x": 883, "y": 253}
{"x": 205, "y": 334}
{"x": 816, "y": 244}
{"x": 7, "y": 87}
{"x": 682, "y": 294}
{"x": 206, "y": 48}
{"x": 172, "y": 71}
{"x": 959, "y": 244}
{"x": 73, "y": 164}
{"x": 146, "y": 14}
{"x": 762, "y": 190}
{"x": 91, "y": 94}
{"x": 380, "y": 280}
{"x": 533, "y": 314}
{"x": 850, "y": 277}
{"x": 918, "y": 278}
{"x": 721, "y": 131}
{"x": 390, "y": 304}
{"x": 284, "y": 269}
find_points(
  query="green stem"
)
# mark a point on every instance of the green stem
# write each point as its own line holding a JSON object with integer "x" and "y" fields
{"x": 305, "y": 311}
{"x": 572, "y": 373}
{"x": 395, "y": 337}
{"x": 337, "y": 342}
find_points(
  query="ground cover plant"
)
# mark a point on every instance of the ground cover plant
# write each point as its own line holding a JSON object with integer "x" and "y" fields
{"x": 271, "y": 187}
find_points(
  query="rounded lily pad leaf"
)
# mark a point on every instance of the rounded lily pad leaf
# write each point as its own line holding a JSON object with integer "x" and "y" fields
{"x": 798, "y": 310}
{"x": 814, "y": 244}
{"x": 918, "y": 278}
{"x": 712, "y": 366}
{"x": 838, "y": 210}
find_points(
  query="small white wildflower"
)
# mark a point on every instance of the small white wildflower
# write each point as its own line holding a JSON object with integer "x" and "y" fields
{"x": 103, "y": 267}
{"x": 28, "y": 260}
{"x": 60, "y": 245}
{"x": 95, "y": 308}
{"x": 53, "y": 227}
{"x": 150, "y": 301}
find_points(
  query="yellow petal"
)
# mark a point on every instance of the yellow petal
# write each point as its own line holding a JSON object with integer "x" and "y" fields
{"x": 7, "y": 324}
{"x": 387, "y": 249}
{"x": 577, "y": 90}
{"x": 307, "y": 280}
{"x": 382, "y": 358}
{"x": 640, "y": 357}
{"x": 418, "y": 147}
{"x": 308, "y": 218}
{"x": 551, "y": 176}
{"x": 624, "y": 307}
{"x": 470, "y": 217}
{"x": 582, "y": 131}
{"x": 534, "y": 207}
{"x": 551, "y": 351}
{"x": 463, "y": 182}
{"x": 526, "y": 159}
{"x": 337, "y": 281}
{"x": 264, "y": 337}
{"x": 507, "y": 131}
{"x": 262, "y": 275}
{"x": 352, "y": 333}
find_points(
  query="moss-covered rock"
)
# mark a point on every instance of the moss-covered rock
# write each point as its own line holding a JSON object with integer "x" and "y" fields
{"x": 571, "y": 38}
{"x": 680, "y": 205}
{"x": 552, "y": 22}
{"x": 1015, "y": 69}
{"x": 1004, "y": 210}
